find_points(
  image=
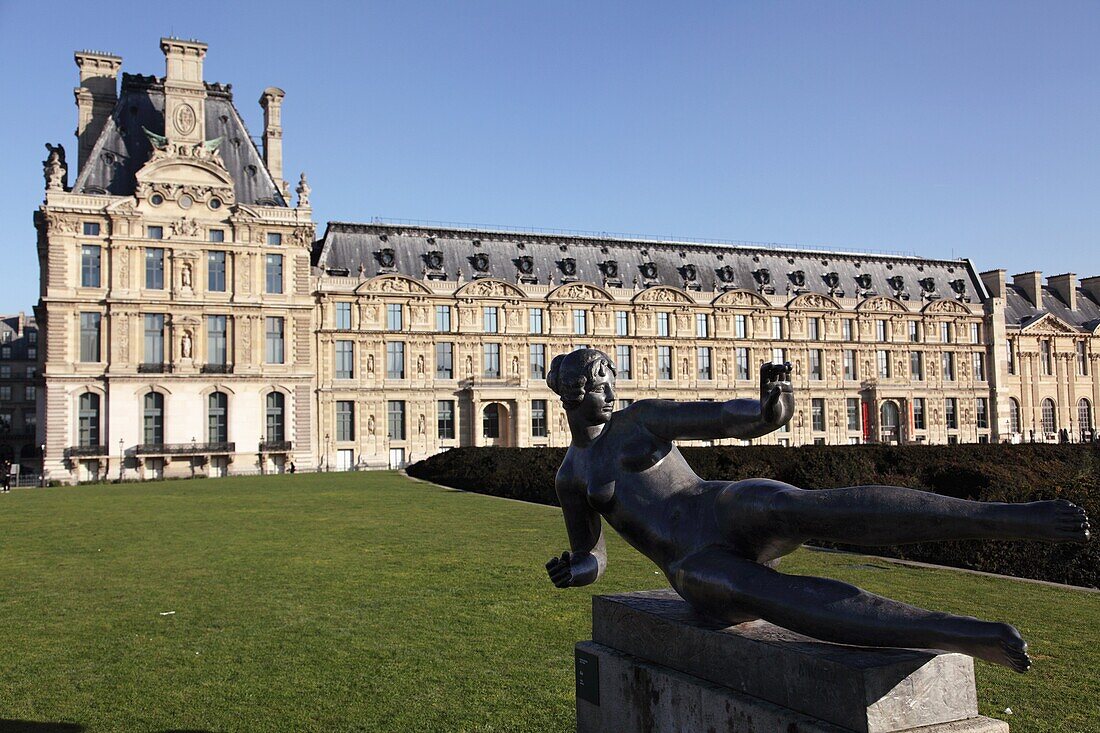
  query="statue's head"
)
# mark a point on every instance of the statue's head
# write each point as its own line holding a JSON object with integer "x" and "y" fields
{"x": 584, "y": 378}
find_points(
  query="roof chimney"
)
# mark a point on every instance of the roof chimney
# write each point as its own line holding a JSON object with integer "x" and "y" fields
{"x": 1066, "y": 287}
{"x": 95, "y": 98}
{"x": 272, "y": 102}
{"x": 994, "y": 281}
{"x": 1032, "y": 285}
{"x": 184, "y": 92}
{"x": 1091, "y": 285}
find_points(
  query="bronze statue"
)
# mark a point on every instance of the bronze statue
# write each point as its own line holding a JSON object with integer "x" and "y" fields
{"x": 718, "y": 541}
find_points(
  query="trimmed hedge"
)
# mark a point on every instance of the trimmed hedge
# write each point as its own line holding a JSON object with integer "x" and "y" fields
{"x": 996, "y": 472}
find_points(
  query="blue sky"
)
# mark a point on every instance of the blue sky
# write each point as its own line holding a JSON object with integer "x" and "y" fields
{"x": 937, "y": 128}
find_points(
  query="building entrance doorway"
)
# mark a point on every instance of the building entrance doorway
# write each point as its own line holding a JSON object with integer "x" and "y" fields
{"x": 890, "y": 432}
{"x": 496, "y": 424}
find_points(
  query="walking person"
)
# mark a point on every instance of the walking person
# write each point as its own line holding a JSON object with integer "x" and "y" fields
{"x": 5, "y": 467}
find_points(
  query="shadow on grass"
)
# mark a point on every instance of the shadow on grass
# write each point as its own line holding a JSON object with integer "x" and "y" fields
{"x": 30, "y": 726}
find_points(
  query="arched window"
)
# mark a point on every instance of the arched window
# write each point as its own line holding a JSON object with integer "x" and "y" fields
{"x": 276, "y": 421}
{"x": 1050, "y": 420}
{"x": 153, "y": 419}
{"x": 1013, "y": 415}
{"x": 89, "y": 419}
{"x": 1084, "y": 417}
{"x": 217, "y": 417}
{"x": 491, "y": 424}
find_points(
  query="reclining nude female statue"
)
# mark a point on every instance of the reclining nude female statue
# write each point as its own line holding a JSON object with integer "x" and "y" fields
{"x": 717, "y": 541}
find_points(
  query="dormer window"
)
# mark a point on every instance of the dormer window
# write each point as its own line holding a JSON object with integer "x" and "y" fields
{"x": 386, "y": 258}
{"x": 649, "y": 270}
{"x": 568, "y": 266}
{"x": 434, "y": 260}
{"x": 480, "y": 262}
{"x": 798, "y": 278}
{"x": 725, "y": 274}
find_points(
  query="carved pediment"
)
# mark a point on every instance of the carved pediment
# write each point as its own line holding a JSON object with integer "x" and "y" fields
{"x": 489, "y": 288}
{"x": 1049, "y": 323}
{"x": 882, "y": 304}
{"x": 393, "y": 284}
{"x": 741, "y": 298}
{"x": 579, "y": 291}
{"x": 814, "y": 301}
{"x": 663, "y": 294}
{"x": 946, "y": 306}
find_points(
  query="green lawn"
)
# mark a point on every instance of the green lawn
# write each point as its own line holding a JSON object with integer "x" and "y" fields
{"x": 370, "y": 602}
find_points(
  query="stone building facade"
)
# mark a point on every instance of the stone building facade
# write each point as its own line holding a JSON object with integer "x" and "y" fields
{"x": 193, "y": 325}
{"x": 19, "y": 392}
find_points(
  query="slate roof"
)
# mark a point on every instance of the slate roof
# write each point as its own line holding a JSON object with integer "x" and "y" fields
{"x": 1020, "y": 312}
{"x": 122, "y": 148}
{"x": 345, "y": 247}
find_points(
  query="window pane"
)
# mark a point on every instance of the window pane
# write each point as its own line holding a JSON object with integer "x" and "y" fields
{"x": 216, "y": 347}
{"x": 538, "y": 361}
{"x": 154, "y": 338}
{"x": 538, "y": 419}
{"x": 395, "y": 419}
{"x": 89, "y": 336}
{"x": 215, "y": 271}
{"x": 274, "y": 266}
{"x": 344, "y": 359}
{"x": 274, "y": 340}
{"x": 345, "y": 420}
{"x": 154, "y": 268}
{"x": 394, "y": 319}
{"x": 444, "y": 361}
{"x": 395, "y": 360}
{"x": 445, "y": 422}
{"x": 343, "y": 316}
{"x": 90, "y": 266}
{"x": 443, "y": 318}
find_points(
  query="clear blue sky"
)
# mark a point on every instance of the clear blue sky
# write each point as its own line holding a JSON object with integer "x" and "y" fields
{"x": 940, "y": 128}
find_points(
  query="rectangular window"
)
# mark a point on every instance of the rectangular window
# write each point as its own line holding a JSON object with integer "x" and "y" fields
{"x": 739, "y": 327}
{"x": 979, "y": 366}
{"x": 154, "y": 338}
{"x": 274, "y": 269}
{"x": 31, "y": 372}
{"x": 216, "y": 342}
{"x": 662, "y": 324}
{"x": 154, "y": 268}
{"x": 215, "y": 271}
{"x": 777, "y": 327}
{"x": 32, "y": 352}
{"x": 273, "y": 340}
{"x": 538, "y": 361}
{"x": 32, "y": 336}
{"x": 880, "y": 330}
{"x": 1011, "y": 357}
{"x": 883, "y": 364}
{"x": 913, "y": 333}
{"x": 1082, "y": 360}
{"x": 580, "y": 322}
{"x": 850, "y": 364}
{"x": 622, "y": 326}
{"x": 443, "y": 318}
{"x": 491, "y": 361}
{"x": 395, "y": 360}
{"x": 345, "y": 420}
{"x": 216, "y": 235}
{"x": 702, "y": 359}
{"x": 854, "y": 414}
{"x": 623, "y": 362}
{"x": 918, "y": 414}
{"x": 981, "y": 412}
{"x": 490, "y": 319}
{"x": 846, "y": 329}
{"x": 91, "y": 229}
{"x": 664, "y": 362}
{"x": 89, "y": 336}
{"x": 394, "y": 317}
{"x": 816, "y": 372}
{"x": 701, "y": 326}
{"x": 975, "y": 333}
{"x": 345, "y": 359}
{"x": 274, "y": 238}
{"x": 817, "y": 414}
{"x": 945, "y": 333}
{"x": 813, "y": 329}
{"x": 5, "y": 392}
{"x": 951, "y": 413}
{"x": 154, "y": 232}
{"x": 445, "y": 360}
{"x": 343, "y": 316}
{"x": 1047, "y": 357}
{"x": 534, "y": 320}
{"x": 90, "y": 265}
{"x": 742, "y": 362}
{"x": 395, "y": 419}
{"x": 916, "y": 366}
{"x": 779, "y": 356}
{"x": 948, "y": 362}
{"x": 538, "y": 419}
{"x": 445, "y": 419}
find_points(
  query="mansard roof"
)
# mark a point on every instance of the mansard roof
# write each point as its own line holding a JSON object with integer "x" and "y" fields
{"x": 122, "y": 148}
{"x": 1021, "y": 312}
{"x": 351, "y": 249}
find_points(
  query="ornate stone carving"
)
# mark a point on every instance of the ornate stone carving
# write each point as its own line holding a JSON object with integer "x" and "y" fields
{"x": 57, "y": 224}
{"x": 946, "y": 306}
{"x": 579, "y": 291}
{"x": 881, "y": 304}
{"x": 741, "y": 298}
{"x": 184, "y": 227}
{"x": 813, "y": 301}
{"x": 662, "y": 295}
{"x": 393, "y": 284}
{"x": 54, "y": 168}
{"x": 490, "y": 289}
{"x": 303, "y": 190}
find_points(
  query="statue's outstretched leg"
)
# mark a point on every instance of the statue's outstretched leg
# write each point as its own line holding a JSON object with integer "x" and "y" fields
{"x": 725, "y": 586}
{"x": 760, "y": 512}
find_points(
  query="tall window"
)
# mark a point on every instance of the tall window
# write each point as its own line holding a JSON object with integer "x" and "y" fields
{"x": 215, "y": 271}
{"x": 662, "y": 323}
{"x": 154, "y": 338}
{"x": 538, "y": 419}
{"x": 345, "y": 420}
{"x": 916, "y": 366}
{"x": 1082, "y": 359}
{"x": 394, "y": 317}
{"x": 1013, "y": 415}
{"x": 918, "y": 414}
{"x": 850, "y": 364}
{"x": 216, "y": 342}
{"x": 816, "y": 372}
{"x": 739, "y": 327}
{"x": 979, "y": 366}
{"x": 975, "y": 333}
{"x": 273, "y": 341}
{"x": 443, "y": 318}
{"x": 779, "y": 356}
{"x": 395, "y": 360}
{"x": 948, "y": 360}
{"x": 945, "y": 333}
{"x": 89, "y": 336}
{"x": 880, "y": 330}
{"x": 534, "y": 320}
{"x": 854, "y": 422}
{"x": 1084, "y": 416}
{"x": 914, "y": 334}
{"x": 1050, "y": 417}
{"x": 702, "y": 359}
{"x": 276, "y": 418}
{"x": 622, "y": 325}
{"x": 89, "y": 419}
{"x": 742, "y": 362}
{"x": 90, "y": 265}
{"x": 1047, "y": 357}
{"x": 154, "y": 268}
{"x": 623, "y": 362}
{"x": 490, "y": 421}
{"x": 153, "y": 419}
{"x": 217, "y": 417}
{"x": 491, "y": 361}
{"x": 883, "y": 364}
{"x": 1011, "y": 350}
{"x": 777, "y": 327}
{"x": 951, "y": 413}
{"x": 490, "y": 319}
{"x": 445, "y": 419}
{"x": 846, "y": 329}
{"x": 664, "y": 362}
{"x": 395, "y": 419}
{"x": 813, "y": 329}
{"x": 343, "y": 316}
{"x": 981, "y": 412}
{"x": 580, "y": 321}
{"x": 445, "y": 360}
{"x": 702, "y": 329}
{"x": 274, "y": 273}
{"x": 538, "y": 361}
{"x": 817, "y": 414}
{"x": 345, "y": 359}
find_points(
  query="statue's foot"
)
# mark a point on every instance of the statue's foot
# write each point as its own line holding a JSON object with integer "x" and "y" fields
{"x": 1055, "y": 521}
{"x": 1002, "y": 644}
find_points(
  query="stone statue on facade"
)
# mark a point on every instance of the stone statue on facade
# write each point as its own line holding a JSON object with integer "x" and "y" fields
{"x": 54, "y": 168}
{"x": 185, "y": 345}
{"x": 303, "y": 190}
{"x": 719, "y": 541}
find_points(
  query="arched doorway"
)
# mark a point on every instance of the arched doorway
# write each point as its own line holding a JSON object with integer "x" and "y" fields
{"x": 496, "y": 424}
{"x": 889, "y": 423}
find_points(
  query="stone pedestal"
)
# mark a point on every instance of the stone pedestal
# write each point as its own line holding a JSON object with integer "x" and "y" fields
{"x": 653, "y": 666}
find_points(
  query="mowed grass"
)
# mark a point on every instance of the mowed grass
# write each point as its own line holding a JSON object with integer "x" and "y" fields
{"x": 372, "y": 602}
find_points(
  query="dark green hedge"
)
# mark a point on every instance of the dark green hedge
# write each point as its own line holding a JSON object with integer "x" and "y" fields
{"x": 1015, "y": 473}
